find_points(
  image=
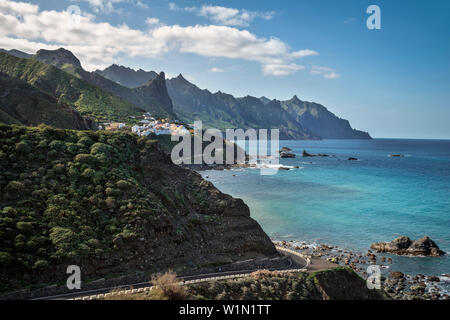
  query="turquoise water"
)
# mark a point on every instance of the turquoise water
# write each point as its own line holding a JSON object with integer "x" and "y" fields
{"x": 354, "y": 203}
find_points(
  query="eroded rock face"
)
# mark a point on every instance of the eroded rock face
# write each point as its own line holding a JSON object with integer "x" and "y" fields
{"x": 426, "y": 247}
{"x": 405, "y": 246}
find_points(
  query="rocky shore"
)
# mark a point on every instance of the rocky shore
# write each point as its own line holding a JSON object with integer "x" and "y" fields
{"x": 398, "y": 285}
{"x": 405, "y": 246}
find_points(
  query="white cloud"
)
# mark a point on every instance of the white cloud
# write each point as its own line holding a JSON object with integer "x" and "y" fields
{"x": 142, "y": 5}
{"x": 108, "y": 5}
{"x": 17, "y": 8}
{"x": 326, "y": 72}
{"x": 216, "y": 69}
{"x": 331, "y": 75}
{"x": 304, "y": 53}
{"x": 102, "y": 5}
{"x": 152, "y": 21}
{"x": 281, "y": 69}
{"x": 224, "y": 15}
{"x": 25, "y": 27}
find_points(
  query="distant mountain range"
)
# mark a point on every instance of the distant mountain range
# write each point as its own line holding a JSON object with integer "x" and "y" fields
{"x": 296, "y": 119}
{"x": 122, "y": 92}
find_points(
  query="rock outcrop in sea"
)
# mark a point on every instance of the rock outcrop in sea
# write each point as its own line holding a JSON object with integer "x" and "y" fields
{"x": 405, "y": 246}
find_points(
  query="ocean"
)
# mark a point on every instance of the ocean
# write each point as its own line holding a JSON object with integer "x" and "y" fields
{"x": 352, "y": 204}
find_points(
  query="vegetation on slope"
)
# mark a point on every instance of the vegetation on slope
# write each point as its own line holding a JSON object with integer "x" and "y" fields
{"x": 88, "y": 99}
{"x": 110, "y": 203}
{"x": 21, "y": 103}
{"x": 151, "y": 96}
{"x": 333, "y": 284}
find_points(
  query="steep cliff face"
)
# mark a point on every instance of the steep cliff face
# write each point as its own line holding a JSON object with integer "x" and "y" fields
{"x": 320, "y": 121}
{"x": 112, "y": 203}
{"x": 155, "y": 93}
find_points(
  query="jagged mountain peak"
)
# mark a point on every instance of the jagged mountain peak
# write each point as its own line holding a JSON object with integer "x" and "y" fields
{"x": 58, "y": 58}
{"x": 251, "y": 99}
{"x": 126, "y": 76}
{"x": 295, "y": 99}
{"x": 264, "y": 99}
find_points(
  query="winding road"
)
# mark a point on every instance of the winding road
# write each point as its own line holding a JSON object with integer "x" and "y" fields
{"x": 300, "y": 263}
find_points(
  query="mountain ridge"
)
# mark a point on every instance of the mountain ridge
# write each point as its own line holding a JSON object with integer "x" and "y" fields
{"x": 23, "y": 104}
{"x": 88, "y": 99}
{"x": 221, "y": 110}
{"x": 132, "y": 78}
{"x": 147, "y": 100}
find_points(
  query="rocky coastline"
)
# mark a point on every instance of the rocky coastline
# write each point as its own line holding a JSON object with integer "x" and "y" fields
{"x": 399, "y": 285}
{"x": 405, "y": 246}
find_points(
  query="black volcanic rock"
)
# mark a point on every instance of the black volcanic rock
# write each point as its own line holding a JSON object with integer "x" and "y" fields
{"x": 405, "y": 246}
{"x": 287, "y": 155}
{"x": 126, "y": 76}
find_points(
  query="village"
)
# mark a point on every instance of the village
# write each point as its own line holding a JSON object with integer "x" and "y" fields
{"x": 149, "y": 125}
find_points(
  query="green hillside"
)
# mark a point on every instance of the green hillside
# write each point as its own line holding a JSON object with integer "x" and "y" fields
{"x": 111, "y": 203}
{"x": 151, "y": 96}
{"x": 21, "y": 103}
{"x": 88, "y": 99}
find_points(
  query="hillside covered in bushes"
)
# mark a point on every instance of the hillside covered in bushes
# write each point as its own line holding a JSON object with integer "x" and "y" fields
{"x": 110, "y": 202}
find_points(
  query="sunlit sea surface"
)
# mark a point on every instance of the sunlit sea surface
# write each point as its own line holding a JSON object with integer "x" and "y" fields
{"x": 353, "y": 203}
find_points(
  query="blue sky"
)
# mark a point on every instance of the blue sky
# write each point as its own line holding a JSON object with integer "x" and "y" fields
{"x": 393, "y": 82}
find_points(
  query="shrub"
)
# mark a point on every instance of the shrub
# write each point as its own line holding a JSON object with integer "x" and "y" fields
{"x": 85, "y": 142}
{"x": 59, "y": 168}
{"x": 15, "y": 186}
{"x": 122, "y": 184}
{"x": 262, "y": 274}
{"x": 98, "y": 148}
{"x": 43, "y": 144}
{"x": 52, "y": 153}
{"x": 167, "y": 287}
{"x": 25, "y": 227}
{"x": 40, "y": 264}
{"x": 110, "y": 202}
{"x": 22, "y": 147}
{"x": 57, "y": 145}
{"x": 6, "y": 259}
{"x": 84, "y": 158}
{"x": 88, "y": 173}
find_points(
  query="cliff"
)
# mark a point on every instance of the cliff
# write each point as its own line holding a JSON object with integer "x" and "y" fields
{"x": 111, "y": 203}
